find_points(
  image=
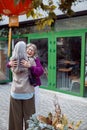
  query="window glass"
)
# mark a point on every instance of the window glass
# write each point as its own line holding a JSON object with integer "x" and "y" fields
{"x": 4, "y": 71}
{"x": 68, "y": 63}
{"x": 42, "y": 47}
{"x": 86, "y": 65}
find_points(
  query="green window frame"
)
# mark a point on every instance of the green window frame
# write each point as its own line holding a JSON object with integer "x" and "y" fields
{"x": 51, "y": 36}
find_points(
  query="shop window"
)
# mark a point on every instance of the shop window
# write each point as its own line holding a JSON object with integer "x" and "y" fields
{"x": 68, "y": 63}
{"x": 86, "y": 65}
{"x": 4, "y": 72}
{"x": 42, "y": 47}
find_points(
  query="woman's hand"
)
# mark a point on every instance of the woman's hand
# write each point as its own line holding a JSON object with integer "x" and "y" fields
{"x": 25, "y": 63}
{"x": 13, "y": 63}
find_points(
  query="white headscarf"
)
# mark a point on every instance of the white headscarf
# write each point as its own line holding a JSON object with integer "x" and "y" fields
{"x": 19, "y": 53}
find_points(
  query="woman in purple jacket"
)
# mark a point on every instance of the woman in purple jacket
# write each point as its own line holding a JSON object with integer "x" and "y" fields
{"x": 36, "y": 69}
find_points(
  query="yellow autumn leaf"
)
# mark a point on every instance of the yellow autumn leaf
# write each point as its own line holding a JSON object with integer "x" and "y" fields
{"x": 77, "y": 125}
{"x": 50, "y": 21}
{"x": 64, "y": 120}
{"x": 53, "y": 7}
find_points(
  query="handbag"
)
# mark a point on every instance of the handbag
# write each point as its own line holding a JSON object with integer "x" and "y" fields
{"x": 32, "y": 79}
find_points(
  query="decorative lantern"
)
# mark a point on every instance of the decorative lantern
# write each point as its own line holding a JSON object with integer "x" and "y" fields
{"x": 8, "y": 8}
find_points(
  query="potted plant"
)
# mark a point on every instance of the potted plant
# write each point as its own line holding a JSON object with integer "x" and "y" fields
{"x": 53, "y": 121}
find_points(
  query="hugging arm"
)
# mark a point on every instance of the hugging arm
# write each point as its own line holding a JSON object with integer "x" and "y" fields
{"x": 38, "y": 69}
{"x": 11, "y": 63}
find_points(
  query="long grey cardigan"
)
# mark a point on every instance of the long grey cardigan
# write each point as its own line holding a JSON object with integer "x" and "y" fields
{"x": 20, "y": 84}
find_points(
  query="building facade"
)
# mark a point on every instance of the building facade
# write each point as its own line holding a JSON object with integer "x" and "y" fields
{"x": 62, "y": 49}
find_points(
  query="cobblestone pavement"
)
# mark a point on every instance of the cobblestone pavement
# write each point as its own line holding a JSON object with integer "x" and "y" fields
{"x": 4, "y": 106}
{"x": 75, "y": 108}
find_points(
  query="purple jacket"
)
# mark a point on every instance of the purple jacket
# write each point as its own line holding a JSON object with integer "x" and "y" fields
{"x": 36, "y": 70}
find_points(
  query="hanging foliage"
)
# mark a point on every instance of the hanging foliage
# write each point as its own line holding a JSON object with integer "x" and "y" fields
{"x": 49, "y": 9}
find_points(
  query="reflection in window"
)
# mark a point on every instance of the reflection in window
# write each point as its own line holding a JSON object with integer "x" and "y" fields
{"x": 68, "y": 63}
{"x": 4, "y": 72}
{"x": 86, "y": 66}
{"x": 42, "y": 47}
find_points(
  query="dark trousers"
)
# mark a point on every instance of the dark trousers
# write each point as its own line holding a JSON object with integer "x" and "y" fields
{"x": 20, "y": 110}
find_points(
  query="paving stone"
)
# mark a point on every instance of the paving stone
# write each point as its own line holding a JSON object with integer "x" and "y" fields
{"x": 75, "y": 108}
